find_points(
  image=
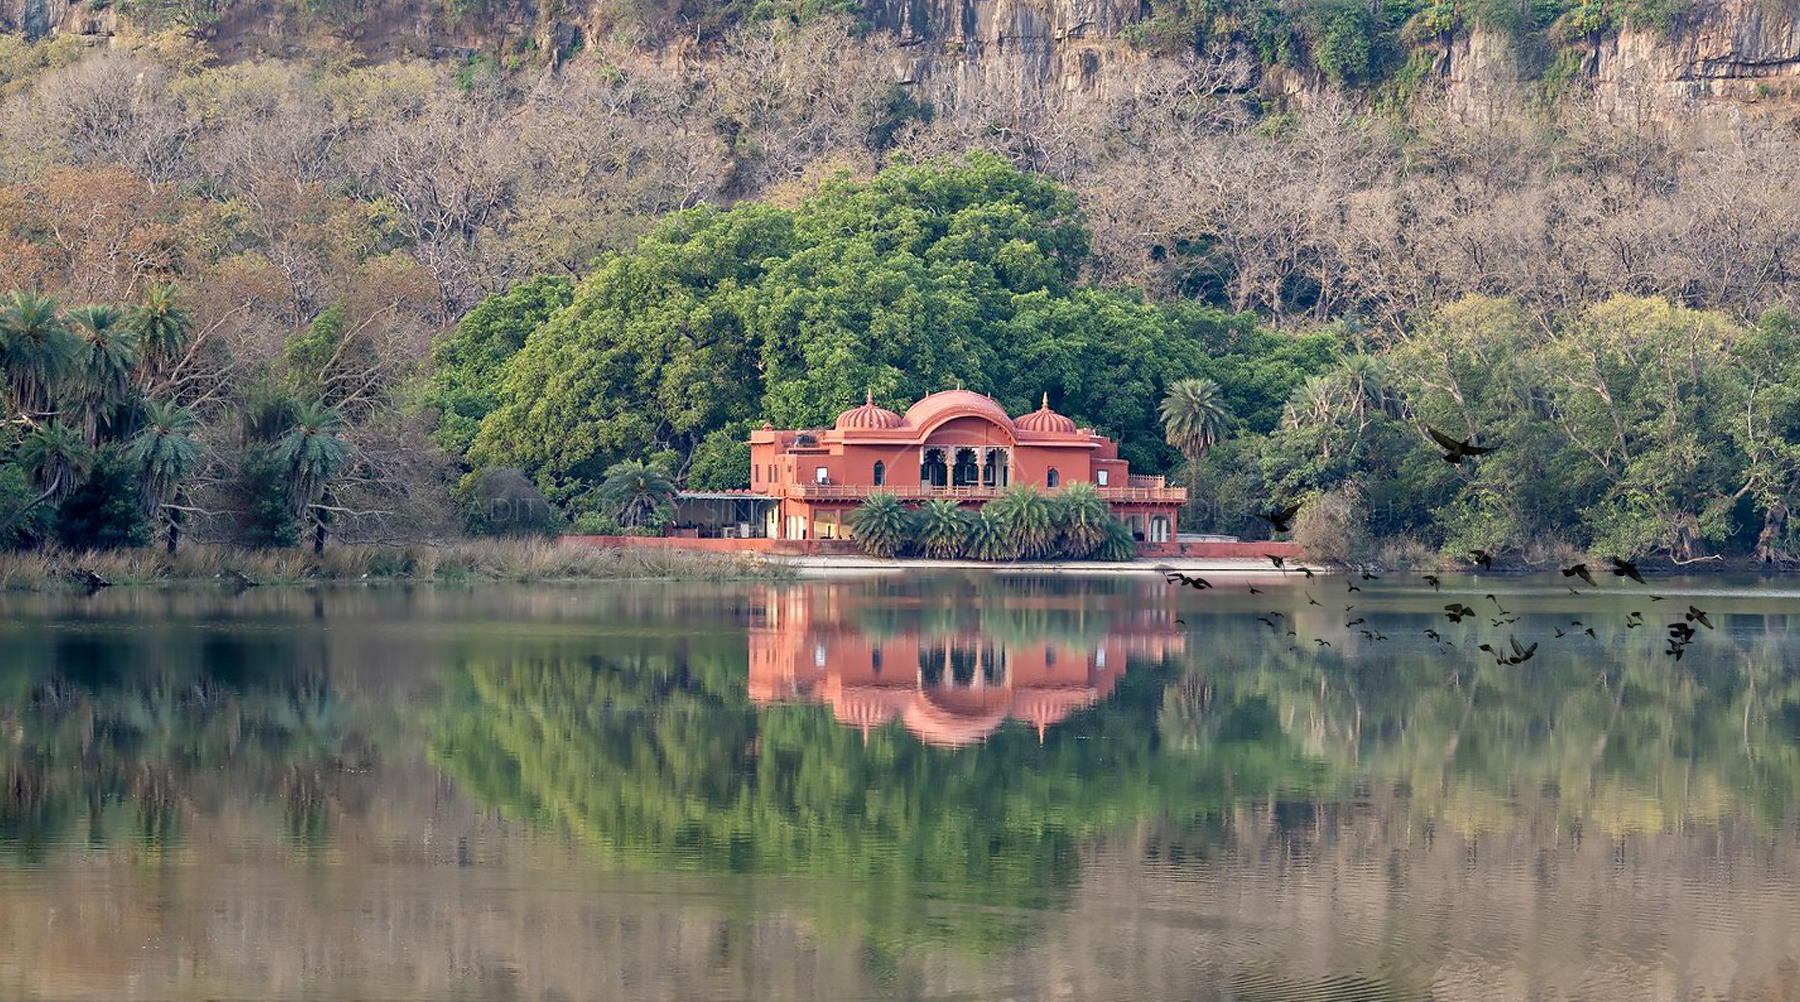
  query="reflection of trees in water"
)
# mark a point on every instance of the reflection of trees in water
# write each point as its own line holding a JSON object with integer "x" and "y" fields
{"x": 113, "y": 733}
{"x": 657, "y": 758}
{"x": 1623, "y": 736}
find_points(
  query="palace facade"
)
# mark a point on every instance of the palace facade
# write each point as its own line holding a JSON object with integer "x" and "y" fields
{"x": 957, "y": 444}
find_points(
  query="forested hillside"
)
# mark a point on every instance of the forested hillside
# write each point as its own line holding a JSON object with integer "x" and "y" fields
{"x": 325, "y": 213}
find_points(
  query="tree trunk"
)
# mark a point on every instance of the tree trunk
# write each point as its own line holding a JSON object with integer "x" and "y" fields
{"x": 319, "y": 537}
{"x": 174, "y": 535}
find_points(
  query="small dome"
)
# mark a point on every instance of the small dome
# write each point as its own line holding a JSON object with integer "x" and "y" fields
{"x": 1045, "y": 420}
{"x": 868, "y": 416}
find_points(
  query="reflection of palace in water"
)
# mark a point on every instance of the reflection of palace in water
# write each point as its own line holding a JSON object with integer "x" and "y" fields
{"x": 950, "y": 676}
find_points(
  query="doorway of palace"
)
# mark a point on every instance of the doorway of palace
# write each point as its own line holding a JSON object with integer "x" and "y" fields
{"x": 933, "y": 470}
{"x": 967, "y": 471}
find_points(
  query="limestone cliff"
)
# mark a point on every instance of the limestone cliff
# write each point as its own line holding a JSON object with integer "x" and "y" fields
{"x": 1719, "y": 56}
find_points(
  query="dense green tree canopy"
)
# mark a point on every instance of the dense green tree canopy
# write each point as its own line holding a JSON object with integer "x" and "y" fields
{"x": 925, "y": 278}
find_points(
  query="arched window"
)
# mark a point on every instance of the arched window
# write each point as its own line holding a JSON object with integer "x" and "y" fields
{"x": 1052, "y": 478}
{"x": 880, "y": 473}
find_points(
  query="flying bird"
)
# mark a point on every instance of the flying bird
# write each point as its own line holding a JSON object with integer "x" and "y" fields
{"x": 1432, "y": 580}
{"x": 1455, "y": 612}
{"x": 1265, "y": 619}
{"x": 1578, "y": 571}
{"x": 1254, "y": 590}
{"x": 1310, "y": 600}
{"x": 1627, "y": 569}
{"x": 1198, "y": 584}
{"x": 1366, "y": 576}
{"x": 1681, "y": 632}
{"x": 1696, "y": 616}
{"x": 1482, "y": 558}
{"x": 1457, "y": 451}
{"x": 1322, "y": 643}
{"x": 1351, "y": 587}
{"x": 1277, "y": 561}
{"x": 1520, "y": 654}
{"x": 1280, "y": 519}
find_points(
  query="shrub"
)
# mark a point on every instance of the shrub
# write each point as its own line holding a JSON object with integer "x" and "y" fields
{"x": 105, "y": 512}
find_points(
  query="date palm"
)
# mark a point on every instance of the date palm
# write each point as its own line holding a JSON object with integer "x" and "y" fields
{"x": 109, "y": 353}
{"x": 164, "y": 453}
{"x": 636, "y": 489}
{"x": 38, "y": 352}
{"x": 1081, "y": 517}
{"x": 942, "y": 528}
{"x": 55, "y": 457}
{"x": 1029, "y": 520}
{"x": 881, "y": 524}
{"x": 162, "y": 328}
{"x": 1194, "y": 417}
{"x": 1118, "y": 544}
{"x": 989, "y": 539}
{"x": 311, "y": 454}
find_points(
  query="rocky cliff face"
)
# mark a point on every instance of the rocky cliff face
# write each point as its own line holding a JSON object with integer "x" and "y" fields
{"x": 1043, "y": 49}
{"x": 1720, "y": 55}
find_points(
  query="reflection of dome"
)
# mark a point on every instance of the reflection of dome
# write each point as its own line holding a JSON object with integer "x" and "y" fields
{"x": 937, "y": 724}
{"x": 868, "y": 416}
{"x": 1045, "y": 420}
{"x": 949, "y": 404}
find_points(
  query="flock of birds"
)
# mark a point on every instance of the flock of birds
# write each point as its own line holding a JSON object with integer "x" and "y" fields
{"x": 1280, "y": 519}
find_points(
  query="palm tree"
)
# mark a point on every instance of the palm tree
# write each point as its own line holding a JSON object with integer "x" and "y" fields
{"x": 108, "y": 355}
{"x": 312, "y": 455}
{"x": 37, "y": 351}
{"x": 881, "y": 525}
{"x": 942, "y": 528}
{"x": 56, "y": 458}
{"x": 161, "y": 327}
{"x": 1028, "y": 518}
{"x": 636, "y": 489}
{"x": 1194, "y": 417}
{"x": 1119, "y": 544}
{"x": 164, "y": 453}
{"x": 988, "y": 538}
{"x": 1081, "y": 517}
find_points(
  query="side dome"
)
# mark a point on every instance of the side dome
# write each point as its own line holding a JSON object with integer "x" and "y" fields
{"x": 1045, "y": 420}
{"x": 868, "y": 416}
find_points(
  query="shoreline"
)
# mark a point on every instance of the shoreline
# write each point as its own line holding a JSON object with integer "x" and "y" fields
{"x": 827, "y": 566}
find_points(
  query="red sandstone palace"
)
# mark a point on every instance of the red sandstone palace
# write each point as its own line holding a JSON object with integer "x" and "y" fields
{"x": 956, "y": 444}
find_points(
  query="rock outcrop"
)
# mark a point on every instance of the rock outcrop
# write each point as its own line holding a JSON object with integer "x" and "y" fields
{"x": 1717, "y": 57}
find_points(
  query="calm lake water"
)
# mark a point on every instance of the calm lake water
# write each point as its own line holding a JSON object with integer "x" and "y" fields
{"x": 947, "y": 787}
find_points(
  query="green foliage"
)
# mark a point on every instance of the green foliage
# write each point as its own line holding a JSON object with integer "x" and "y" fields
{"x": 721, "y": 462}
{"x": 269, "y": 519}
{"x": 924, "y": 278}
{"x": 466, "y": 363}
{"x": 307, "y": 356}
{"x": 105, "y": 512}
{"x": 23, "y": 522}
{"x": 1631, "y": 426}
